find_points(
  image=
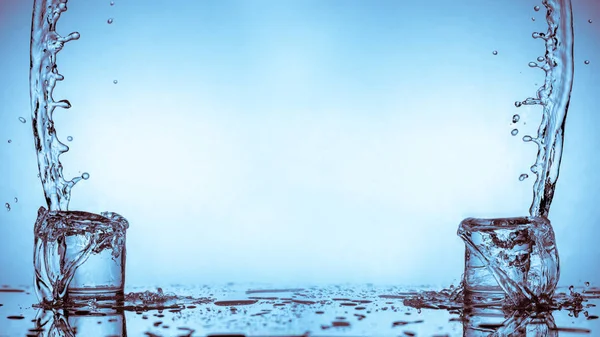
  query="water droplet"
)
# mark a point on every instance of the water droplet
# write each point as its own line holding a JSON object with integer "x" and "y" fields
{"x": 523, "y": 176}
{"x": 115, "y": 81}
{"x": 586, "y": 61}
{"x": 514, "y": 132}
{"x": 22, "y": 120}
{"x": 532, "y": 19}
{"x": 9, "y": 141}
{"x": 571, "y": 289}
{"x": 112, "y": 3}
{"x": 16, "y": 199}
{"x": 69, "y": 138}
{"x": 7, "y": 205}
{"x": 587, "y": 284}
{"x": 495, "y": 52}
{"x": 534, "y": 168}
{"x": 590, "y": 20}
{"x": 532, "y": 64}
{"x": 85, "y": 176}
{"x": 110, "y": 21}
{"x": 518, "y": 104}
{"x": 527, "y": 138}
{"x": 541, "y": 59}
{"x": 516, "y": 118}
{"x": 536, "y": 8}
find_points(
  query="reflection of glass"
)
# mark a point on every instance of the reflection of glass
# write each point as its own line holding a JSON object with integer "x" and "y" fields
{"x": 517, "y": 255}
{"x": 486, "y": 322}
{"x": 64, "y": 323}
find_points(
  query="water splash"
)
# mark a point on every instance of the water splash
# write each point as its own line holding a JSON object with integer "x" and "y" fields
{"x": 554, "y": 96}
{"x": 45, "y": 44}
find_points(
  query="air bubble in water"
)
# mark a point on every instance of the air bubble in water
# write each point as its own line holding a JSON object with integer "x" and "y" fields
{"x": 110, "y": 21}
{"x": 495, "y": 52}
{"x": 536, "y": 8}
{"x": 514, "y": 132}
{"x": 85, "y": 176}
{"x": 518, "y": 104}
{"x": 69, "y": 138}
{"x": 22, "y": 120}
{"x": 527, "y": 138}
{"x": 586, "y": 61}
{"x": 7, "y": 205}
{"x": 115, "y": 81}
{"x": 516, "y": 118}
{"x": 523, "y": 176}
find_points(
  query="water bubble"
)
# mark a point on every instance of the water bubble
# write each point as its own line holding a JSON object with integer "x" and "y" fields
{"x": 586, "y": 61}
{"x": 22, "y": 120}
{"x": 533, "y": 64}
{"x": 527, "y": 138}
{"x": 115, "y": 81}
{"x": 16, "y": 200}
{"x": 110, "y": 21}
{"x": 536, "y": 8}
{"x": 495, "y": 52}
{"x": 523, "y": 176}
{"x": 516, "y": 118}
{"x": 541, "y": 59}
{"x": 7, "y": 205}
{"x": 69, "y": 138}
{"x": 514, "y": 132}
{"x": 518, "y": 104}
{"x": 85, "y": 176}
{"x": 9, "y": 141}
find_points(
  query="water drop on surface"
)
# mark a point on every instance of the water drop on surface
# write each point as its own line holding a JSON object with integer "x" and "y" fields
{"x": 586, "y": 61}
{"x": 495, "y": 52}
{"x": 523, "y": 176}
{"x": 85, "y": 176}
{"x": 115, "y": 81}
{"x": 514, "y": 132}
{"x": 518, "y": 104}
{"x": 516, "y": 118}
{"x": 527, "y": 138}
{"x": 22, "y": 120}
{"x": 110, "y": 21}
{"x": 536, "y": 8}
{"x": 7, "y": 205}
{"x": 69, "y": 138}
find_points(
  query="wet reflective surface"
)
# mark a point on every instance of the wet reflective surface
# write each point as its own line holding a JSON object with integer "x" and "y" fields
{"x": 267, "y": 310}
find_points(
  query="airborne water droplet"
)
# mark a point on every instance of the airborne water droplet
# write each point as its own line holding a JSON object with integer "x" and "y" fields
{"x": 85, "y": 176}
{"x": 533, "y": 64}
{"x": 532, "y": 19}
{"x": 112, "y": 3}
{"x": 7, "y": 205}
{"x": 590, "y": 20}
{"x": 22, "y": 120}
{"x": 514, "y": 132}
{"x": 527, "y": 138}
{"x": 495, "y": 52}
{"x": 110, "y": 21}
{"x": 541, "y": 59}
{"x": 523, "y": 176}
{"x": 69, "y": 138}
{"x": 9, "y": 141}
{"x": 516, "y": 118}
{"x": 16, "y": 200}
{"x": 518, "y": 104}
{"x": 115, "y": 81}
{"x": 536, "y": 8}
{"x": 587, "y": 284}
{"x": 586, "y": 61}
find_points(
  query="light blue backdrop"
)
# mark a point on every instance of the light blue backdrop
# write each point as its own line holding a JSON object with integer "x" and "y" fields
{"x": 299, "y": 141}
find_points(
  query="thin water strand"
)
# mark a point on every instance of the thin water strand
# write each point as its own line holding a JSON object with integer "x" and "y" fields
{"x": 45, "y": 44}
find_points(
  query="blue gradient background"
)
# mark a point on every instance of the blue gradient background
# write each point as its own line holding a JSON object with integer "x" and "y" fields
{"x": 300, "y": 141}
